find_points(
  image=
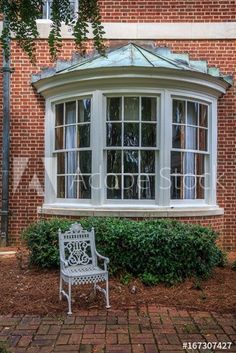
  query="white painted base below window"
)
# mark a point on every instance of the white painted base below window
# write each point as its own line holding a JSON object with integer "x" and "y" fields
{"x": 114, "y": 211}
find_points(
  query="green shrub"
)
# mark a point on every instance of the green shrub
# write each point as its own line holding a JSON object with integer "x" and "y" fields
{"x": 149, "y": 279}
{"x": 126, "y": 278}
{"x": 42, "y": 241}
{"x": 169, "y": 250}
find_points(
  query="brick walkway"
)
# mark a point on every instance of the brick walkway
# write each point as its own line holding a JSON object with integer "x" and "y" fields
{"x": 148, "y": 329}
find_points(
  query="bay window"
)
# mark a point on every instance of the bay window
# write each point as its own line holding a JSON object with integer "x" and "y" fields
{"x": 123, "y": 143}
{"x": 131, "y": 134}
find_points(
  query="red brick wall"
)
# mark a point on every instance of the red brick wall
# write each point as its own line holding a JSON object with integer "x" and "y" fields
{"x": 27, "y": 107}
{"x": 168, "y": 10}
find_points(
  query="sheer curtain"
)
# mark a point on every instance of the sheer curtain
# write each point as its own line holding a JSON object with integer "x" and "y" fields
{"x": 70, "y": 143}
{"x": 191, "y": 143}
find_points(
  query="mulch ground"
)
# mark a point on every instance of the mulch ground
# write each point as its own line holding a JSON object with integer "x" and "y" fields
{"x": 35, "y": 291}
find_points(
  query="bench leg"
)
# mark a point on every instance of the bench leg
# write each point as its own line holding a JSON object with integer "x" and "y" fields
{"x": 69, "y": 298}
{"x": 60, "y": 288}
{"x": 107, "y": 295}
{"x": 94, "y": 288}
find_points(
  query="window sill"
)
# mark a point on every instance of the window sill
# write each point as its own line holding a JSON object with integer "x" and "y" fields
{"x": 129, "y": 211}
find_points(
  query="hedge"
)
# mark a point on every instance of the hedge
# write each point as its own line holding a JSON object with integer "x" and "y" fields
{"x": 156, "y": 250}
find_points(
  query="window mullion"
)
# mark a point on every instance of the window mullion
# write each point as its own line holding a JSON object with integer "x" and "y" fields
{"x": 165, "y": 138}
{"x": 97, "y": 144}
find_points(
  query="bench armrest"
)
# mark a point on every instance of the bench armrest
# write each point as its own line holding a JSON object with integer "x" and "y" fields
{"x": 106, "y": 260}
{"x": 64, "y": 263}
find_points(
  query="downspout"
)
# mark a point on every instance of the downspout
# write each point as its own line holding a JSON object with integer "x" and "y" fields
{"x": 6, "y": 70}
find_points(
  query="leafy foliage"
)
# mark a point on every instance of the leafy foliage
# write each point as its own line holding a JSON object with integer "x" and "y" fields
{"x": 149, "y": 279}
{"x": 89, "y": 13}
{"x": 20, "y": 21}
{"x": 155, "y": 250}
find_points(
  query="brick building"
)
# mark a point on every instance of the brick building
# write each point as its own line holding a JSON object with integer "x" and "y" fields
{"x": 148, "y": 131}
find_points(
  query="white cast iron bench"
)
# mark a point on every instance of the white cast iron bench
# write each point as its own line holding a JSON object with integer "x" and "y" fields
{"x": 79, "y": 262}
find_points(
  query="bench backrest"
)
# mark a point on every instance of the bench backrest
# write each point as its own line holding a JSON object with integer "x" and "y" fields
{"x": 77, "y": 246}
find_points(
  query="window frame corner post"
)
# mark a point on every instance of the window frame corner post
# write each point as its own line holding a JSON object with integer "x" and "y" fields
{"x": 213, "y": 151}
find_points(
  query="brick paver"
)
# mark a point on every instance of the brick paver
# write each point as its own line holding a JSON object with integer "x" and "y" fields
{"x": 144, "y": 329}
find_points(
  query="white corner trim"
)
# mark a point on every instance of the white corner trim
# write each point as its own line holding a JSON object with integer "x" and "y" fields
{"x": 152, "y": 30}
{"x": 165, "y": 212}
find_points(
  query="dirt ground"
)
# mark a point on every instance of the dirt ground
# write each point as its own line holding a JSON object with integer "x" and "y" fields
{"x": 34, "y": 291}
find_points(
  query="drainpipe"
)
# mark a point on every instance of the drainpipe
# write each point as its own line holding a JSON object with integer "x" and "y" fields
{"x": 6, "y": 70}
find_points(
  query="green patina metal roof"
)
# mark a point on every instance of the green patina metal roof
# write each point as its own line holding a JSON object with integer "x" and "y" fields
{"x": 132, "y": 55}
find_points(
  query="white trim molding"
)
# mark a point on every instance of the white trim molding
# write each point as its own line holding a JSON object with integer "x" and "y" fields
{"x": 168, "y": 212}
{"x": 152, "y": 30}
{"x": 139, "y": 31}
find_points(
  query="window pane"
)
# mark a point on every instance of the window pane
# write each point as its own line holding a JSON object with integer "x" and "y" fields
{"x": 113, "y": 186}
{"x": 130, "y": 187}
{"x": 200, "y": 168}
{"x": 70, "y": 117}
{"x": 147, "y": 187}
{"x": 176, "y": 163}
{"x": 191, "y": 142}
{"x": 203, "y": 121}
{"x": 189, "y": 187}
{"x": 61, "y": 163}
{"x": 131, "y": 108}
{"x": 176, "y": 187}
{"x": 114, "y": 162}
{"x": 72, "y": 164}
{"x": 113, "y": 134}
{"x": 203, "y": 140}
{"x": 189, "y": 163}
{"x": 178, "y": 136}
{"x": 85, "y": 162}
{"x": 131, "y": 162}
{"x": 59, "y": 145}
{"x": 84, "y": 135}
{"x": 178, "y": 112}
{"x": 148, "y": 135}
{"x": 147, "y": 162}
{"x": 131, "y": 134}
{"x": 114, "y": 108}
{"x": 84, "y": 110}
{"x": 59, "y": 114}
{"x": 84, "y": 187}
{"x": 149, "y": 108}
{"x": 61, "y": 187}
{"x": 71, "y": 187}
{"x": 192, "y": 113}
{"x": 47, "y": 10}
{"x": 70, "y": 136}
{"x": 200, "y": 188}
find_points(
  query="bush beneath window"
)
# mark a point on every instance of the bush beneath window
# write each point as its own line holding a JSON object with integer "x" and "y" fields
{"x": 153, "y": 250}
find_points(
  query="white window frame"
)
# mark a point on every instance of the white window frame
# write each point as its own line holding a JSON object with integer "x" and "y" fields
{"x": 164, "y": 132}
{"x": 46, "y": 5}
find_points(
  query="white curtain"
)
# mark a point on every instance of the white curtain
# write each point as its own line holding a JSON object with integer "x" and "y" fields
{"x": 70, "y": 142}
{"x": 189, "y": 157}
